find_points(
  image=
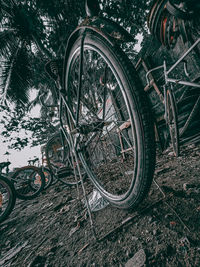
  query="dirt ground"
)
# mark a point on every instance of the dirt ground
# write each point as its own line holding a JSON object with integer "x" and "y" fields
{"x": 54, "y": 229}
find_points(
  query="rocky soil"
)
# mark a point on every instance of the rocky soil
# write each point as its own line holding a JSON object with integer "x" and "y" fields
{"x": 54, "y": 229}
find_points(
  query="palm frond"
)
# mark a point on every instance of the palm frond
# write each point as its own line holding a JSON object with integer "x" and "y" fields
{"x": 8, "y": 43}
{"x": 6, "y": 8}
{"x": 50, "y": 8}
{"x": 16, "y": 77}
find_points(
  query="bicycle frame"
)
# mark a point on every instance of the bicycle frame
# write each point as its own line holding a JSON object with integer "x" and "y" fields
{"x": 171, "y": 80}
{"x": 168, "y": 87}
{"x": 167, "y": 72}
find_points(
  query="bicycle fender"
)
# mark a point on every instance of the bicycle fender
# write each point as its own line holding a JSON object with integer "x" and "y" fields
{"x": 108, "y": 29}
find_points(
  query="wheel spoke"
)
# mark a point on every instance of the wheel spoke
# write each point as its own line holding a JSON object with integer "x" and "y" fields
{"x": 102, "y": 98}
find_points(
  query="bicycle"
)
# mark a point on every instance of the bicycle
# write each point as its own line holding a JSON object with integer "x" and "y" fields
{"x": 168, "y": 22}
{"x": 7, "y": 195}
{"x": 27, "y": 181}
{"x": 104, "y": 105}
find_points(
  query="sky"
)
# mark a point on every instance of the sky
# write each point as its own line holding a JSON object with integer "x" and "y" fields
{"x": 20, "y": 158}
{"x": 139, "y": 38}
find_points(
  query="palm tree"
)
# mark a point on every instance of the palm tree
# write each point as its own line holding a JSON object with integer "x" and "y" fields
{"x": 23, "y": 42}
{"x": 30, "y": 34}
{"x": 31, "y": 30}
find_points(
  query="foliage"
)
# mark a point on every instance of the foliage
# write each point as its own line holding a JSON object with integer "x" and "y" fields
{"x": 34, "y": 31}
{"x": 131, "y": 14}
{"x": 20, "y": 129}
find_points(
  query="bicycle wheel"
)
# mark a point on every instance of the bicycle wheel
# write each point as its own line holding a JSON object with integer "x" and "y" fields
{"x": 60, "y": 162}
{"x": 28, "y": 181}
{"x": 7, "y": 198}
{"x": 117, "y": 146}
{"x": 48, "y": 177}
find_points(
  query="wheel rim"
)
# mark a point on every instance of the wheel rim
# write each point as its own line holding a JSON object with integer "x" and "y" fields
{"x": 27, "y": 182}
{"x": 105, "y": 118}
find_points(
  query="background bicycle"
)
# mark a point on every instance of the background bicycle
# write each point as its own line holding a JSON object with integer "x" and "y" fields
{"x": 27, "y": 181}
{"x": 172, "y": 70}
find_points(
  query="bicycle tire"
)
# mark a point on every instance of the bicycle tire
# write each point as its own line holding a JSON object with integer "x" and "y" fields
{"x": 131, "y": 104}
{"x": 7, "y": 192}
{"x": 60, "y": 165}
{"x": 28, "y": 182}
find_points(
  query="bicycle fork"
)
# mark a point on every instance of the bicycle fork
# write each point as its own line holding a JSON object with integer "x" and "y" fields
{"x": 76, "y": 157}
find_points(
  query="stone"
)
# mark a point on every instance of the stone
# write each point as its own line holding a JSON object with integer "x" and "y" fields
{"x": 154, "y": 232}
{"x": 134, "y": 238}
{"x": 138, "y": 260}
